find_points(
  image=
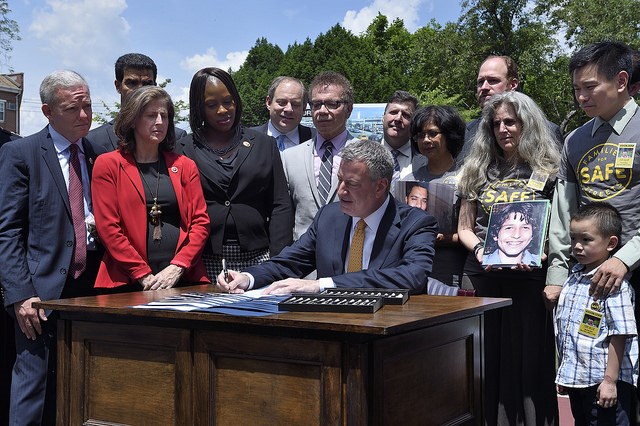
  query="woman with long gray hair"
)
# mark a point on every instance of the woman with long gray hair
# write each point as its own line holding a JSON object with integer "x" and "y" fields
{"x": 514, "y": 157}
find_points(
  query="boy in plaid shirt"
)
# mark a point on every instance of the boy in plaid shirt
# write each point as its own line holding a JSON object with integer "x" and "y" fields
{"x": 597, "y": 340}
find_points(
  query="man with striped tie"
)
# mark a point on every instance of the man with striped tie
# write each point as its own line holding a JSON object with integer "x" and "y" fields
{"x": 397, "y": 138}
{"x": 368, "y": 239}
{"x": 311, "y": 167}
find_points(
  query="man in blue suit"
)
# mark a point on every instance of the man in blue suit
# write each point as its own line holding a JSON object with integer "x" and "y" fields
{"x": 286, "y": 101}
{"x": 133, "y": 70}
{"x": 46, "y": 249}
{"x": 396, "y": 250}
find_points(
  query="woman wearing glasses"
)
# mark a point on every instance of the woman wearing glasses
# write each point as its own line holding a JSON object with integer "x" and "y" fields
{"x": 242, "y": 177}
{"x": 437, "y": 132}
{"x": 514, "y": 157}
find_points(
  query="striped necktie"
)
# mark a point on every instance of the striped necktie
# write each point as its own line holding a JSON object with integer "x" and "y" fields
{"x": 396, "y": 165}
{"x": 326, "y": 170}
{"x": 76, "y": 203}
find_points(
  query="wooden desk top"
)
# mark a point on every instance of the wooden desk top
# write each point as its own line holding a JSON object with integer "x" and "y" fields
{"x": 419, "y": 312}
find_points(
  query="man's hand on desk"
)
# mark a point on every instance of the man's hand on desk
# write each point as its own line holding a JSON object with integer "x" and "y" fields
{"x": 238, "y": 282}
{"x": 293, "y": 285}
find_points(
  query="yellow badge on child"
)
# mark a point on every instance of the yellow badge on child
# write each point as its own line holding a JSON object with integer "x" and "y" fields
{"x": 537, "y": 181}
{"x": 590, "y": 324}
{"x": 624, "y": 157}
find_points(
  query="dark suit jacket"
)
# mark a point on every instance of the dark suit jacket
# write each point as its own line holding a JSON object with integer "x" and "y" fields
{"x": 257, "y": 197}
{"x": 6, "y": 136}
{"x": 105, "y": 137}
{"x": 120, "y": 210}
{"x": 401, "y": 257}
{"x": 304, "y": 133}
{"x": 36, "y": 230}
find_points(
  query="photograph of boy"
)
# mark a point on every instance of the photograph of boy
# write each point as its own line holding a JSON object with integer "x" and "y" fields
{"x": 417, "y": 195}
{"x": 596, "y": 340}
{"x": 514, "y": 234}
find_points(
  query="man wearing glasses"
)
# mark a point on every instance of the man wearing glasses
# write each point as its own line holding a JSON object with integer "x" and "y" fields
{"x": 312, "y": 166}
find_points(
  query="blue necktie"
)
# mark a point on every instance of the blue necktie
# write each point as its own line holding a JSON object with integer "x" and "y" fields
{"x": 280, "y": 140}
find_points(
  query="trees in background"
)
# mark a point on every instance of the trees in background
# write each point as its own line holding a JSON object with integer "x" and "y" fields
{"x": 9, "y": 32}
{"x": 439, "y": 62}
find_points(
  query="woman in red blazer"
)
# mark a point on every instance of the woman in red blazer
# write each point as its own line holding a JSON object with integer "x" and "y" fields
{"x": 148, "y": 204}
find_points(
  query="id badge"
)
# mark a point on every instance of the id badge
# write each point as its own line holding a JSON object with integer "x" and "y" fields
{"x": 537, "y": 181}
{"x": 624, "y": 157}
{"x": 590, "y": 324}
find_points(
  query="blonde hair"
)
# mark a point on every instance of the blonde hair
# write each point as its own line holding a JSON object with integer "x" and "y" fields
{"x": 537, "y": 145}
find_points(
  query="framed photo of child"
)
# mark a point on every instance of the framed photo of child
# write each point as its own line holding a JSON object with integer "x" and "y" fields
{"x": 516, "y": 233}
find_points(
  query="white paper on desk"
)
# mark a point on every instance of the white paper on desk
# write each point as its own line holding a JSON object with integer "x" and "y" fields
{"x": 259, "y": 292}
{"x": 194, "y": 300}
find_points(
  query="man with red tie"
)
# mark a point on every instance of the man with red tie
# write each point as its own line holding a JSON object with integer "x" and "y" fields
{"x": 46, "y": 249}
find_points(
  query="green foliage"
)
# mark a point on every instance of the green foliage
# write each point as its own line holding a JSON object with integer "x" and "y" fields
{"x": 9, "y": 32}
{"x": 254, "y": 77}
{"x": 584, "y": 21}
{"x": 181, "y": 110}
{"x": 439, "y": 62}
{"x": 439, "y": 96}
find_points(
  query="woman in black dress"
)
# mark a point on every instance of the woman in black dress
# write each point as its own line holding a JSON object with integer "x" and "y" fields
{"x": 242, "y": 177}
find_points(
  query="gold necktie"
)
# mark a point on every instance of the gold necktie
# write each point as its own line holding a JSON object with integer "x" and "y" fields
{"x": 357, "y": 244}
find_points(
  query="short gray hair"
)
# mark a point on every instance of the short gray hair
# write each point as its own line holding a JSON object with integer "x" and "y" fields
{"x": 375, "y": 156}
{"x": 63, "y": 79}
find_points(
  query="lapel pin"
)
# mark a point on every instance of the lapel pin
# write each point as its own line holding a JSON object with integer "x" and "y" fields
{"x": 174, "y": 169}
{"x": 246, "y": 143}
{"x": 91, "y": 161}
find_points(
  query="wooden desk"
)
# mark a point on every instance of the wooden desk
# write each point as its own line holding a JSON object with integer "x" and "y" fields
{"x": 419, "y": 363}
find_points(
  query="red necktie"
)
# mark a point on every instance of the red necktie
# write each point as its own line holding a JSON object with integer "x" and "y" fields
{"x": 76, "y": 201}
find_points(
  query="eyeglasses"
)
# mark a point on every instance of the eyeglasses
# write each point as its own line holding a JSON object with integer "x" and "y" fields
{"x": 429, "y": 134}
{"x": 331, "y": 105}
{"x": 508, "y": 122}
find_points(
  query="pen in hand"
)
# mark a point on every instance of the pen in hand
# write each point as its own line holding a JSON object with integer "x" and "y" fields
{"x": 225, "y": 272}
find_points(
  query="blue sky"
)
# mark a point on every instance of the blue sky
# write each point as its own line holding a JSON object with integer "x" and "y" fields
{"x": 181, "y": 36}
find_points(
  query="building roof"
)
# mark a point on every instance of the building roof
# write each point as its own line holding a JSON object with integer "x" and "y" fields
{"x": 8, "y": 83}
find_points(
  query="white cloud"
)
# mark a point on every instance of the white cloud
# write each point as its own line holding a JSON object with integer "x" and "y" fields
{"x": 31, "y": 119}
{"x": 232, "y": 60}
{"x": 81, "y": 32}
{"x": 407, "y": 10}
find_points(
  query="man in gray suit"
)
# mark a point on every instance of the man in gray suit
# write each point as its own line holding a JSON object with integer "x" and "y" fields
{"x": 286, "y": 102}
{"x": 312, "y": 166}
{"x": 133, "y": 70}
